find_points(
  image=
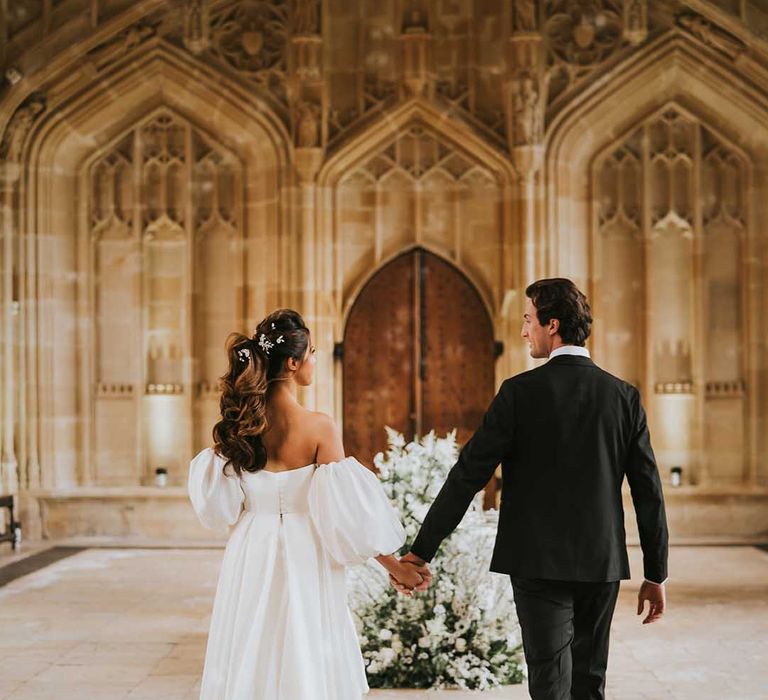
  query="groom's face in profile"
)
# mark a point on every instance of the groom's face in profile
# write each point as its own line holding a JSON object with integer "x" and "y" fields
{"x": 540, "y": 338}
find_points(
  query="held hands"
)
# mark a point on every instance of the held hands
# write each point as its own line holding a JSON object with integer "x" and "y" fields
{"x": 657, "y": 598}
{"x": 412, "y": 574}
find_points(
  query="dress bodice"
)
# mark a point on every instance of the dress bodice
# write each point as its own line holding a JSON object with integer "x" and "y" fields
{"x": 348, "y": 509}
{"x": 277, "y": 493}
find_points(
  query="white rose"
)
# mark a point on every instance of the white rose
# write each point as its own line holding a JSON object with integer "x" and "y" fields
{"x": 461, "y": 644}
{"x": 424, "y": 642}
{"x": 385, "y": 635}
{"x": 387, "y": 656}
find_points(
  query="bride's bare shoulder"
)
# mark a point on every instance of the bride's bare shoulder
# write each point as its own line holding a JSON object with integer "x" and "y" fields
{"x": 328, "y": 438}
{"x": 321, "y": 422}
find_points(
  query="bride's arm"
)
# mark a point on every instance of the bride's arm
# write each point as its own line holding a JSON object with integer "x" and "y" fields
{"x": 330, "y": 448}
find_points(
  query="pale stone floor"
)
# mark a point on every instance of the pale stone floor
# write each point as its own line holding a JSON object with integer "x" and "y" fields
{"x": 131, "y": 624}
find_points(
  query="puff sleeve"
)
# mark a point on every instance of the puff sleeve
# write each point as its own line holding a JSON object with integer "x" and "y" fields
{"x": 217, "y": 498}
{"x": 352, "y": 514}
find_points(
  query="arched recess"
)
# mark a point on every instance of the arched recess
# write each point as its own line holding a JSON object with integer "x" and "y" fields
{"x": 417, "y": 178}
{"x": 634, "y": 174}
{"x": 198, "y": 133}
{"x": 164, "y": 258}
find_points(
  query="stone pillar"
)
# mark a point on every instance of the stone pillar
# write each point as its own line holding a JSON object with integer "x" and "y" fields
{"x": 308, "y": 102}
{"x": 524, "y": 99}
{"x": 9, "y": 482}
{"x": 318, "y": 396}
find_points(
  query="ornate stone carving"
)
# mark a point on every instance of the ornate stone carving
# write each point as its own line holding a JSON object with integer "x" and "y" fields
{"x": 527, "y": 109}
{"x": 669, "y": 183}
{"x": 525, "y": 16}
{"x": 415, "y": 43}
{"x": 377, "y": 91}
{"x": 252, "y": 37}
{"x": 121, "y": 45}
{"x": 635, "y": 20}
{"x": 196, "y": 26}
{"x": 19, "y": 126}
{"x": 579, "y": 35}
{"x": 306, "y": 17}
{"x": 583, "y": 32}
{"x": 307, "y": 129}
{"x": 419, "y": 153}
{"x": 711, "y": 35}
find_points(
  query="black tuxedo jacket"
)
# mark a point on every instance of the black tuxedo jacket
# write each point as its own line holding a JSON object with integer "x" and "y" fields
{"x": 566, "y": 434}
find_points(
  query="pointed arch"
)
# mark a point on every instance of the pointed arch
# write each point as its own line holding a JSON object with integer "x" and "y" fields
{"x": 62, "y": 144}
{"x": 670, "y": 73}
{"x": 374, "y": 205}
{"x": 361, "y": 146}
{"x": 441, "y": 254}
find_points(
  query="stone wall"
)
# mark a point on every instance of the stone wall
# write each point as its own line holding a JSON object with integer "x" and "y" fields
{"x": 173, "y": 171}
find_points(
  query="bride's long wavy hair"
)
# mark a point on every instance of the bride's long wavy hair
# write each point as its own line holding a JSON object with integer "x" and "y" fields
{"x": 254, "y": 363}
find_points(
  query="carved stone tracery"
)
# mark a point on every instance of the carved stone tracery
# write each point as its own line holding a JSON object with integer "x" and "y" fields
{"x": 121, "y": 45}
{"x": 713, "y": 36}
{"x": 579, "y": 36}
{"x": 252, "y": 38}
{"x": 671, "y": 202}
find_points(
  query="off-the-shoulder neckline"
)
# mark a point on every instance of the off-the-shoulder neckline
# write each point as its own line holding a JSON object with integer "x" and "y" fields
{"x": 287, "y": 471}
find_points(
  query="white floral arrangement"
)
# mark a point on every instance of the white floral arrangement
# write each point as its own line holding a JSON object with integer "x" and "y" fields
{"x": 462, "y": 632}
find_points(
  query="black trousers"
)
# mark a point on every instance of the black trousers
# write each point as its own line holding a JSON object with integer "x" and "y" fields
{"x": 566, "y": 626}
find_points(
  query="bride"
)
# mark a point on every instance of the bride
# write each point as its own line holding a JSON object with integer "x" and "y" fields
{"x": 301, "y": 511}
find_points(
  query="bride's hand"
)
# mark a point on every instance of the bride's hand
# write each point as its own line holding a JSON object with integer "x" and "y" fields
{"x": 408, "y": 576}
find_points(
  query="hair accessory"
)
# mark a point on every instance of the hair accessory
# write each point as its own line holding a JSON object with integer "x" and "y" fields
{"x": 243, "y": 354}
{"x": 273, "y": 325}
{"x": 280, "y": 340}
{"x": 265, "y": 344}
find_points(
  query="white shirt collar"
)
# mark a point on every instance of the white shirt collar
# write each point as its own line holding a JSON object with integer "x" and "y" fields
{"x": 569, "y": 350}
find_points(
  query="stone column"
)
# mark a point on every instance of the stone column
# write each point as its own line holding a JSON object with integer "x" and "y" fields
{"x": 9, "y": 176}
{"x": 308, "y": 102}
{"x": 318, "y": 396}
{"x": 524, "y": 99}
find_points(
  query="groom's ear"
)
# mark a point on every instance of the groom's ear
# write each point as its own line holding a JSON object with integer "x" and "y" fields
{"x": 554, "y": 326}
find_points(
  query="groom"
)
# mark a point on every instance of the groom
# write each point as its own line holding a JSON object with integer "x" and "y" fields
{"x": 566, "y": 435}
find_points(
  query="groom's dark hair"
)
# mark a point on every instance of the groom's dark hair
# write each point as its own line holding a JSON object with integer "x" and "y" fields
{"x": 561, "y": 299}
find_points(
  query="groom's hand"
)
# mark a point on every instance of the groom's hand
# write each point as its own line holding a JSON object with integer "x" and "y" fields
{"x": 421, "y": 566}
{"x": 657, "y": 598}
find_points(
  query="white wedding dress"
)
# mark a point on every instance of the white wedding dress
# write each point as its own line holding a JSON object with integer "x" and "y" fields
{"x": 280, "y": 627}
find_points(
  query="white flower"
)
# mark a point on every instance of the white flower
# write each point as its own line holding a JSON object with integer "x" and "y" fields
{"x": 387, "y": 656}
{"x": 464, "y": 596}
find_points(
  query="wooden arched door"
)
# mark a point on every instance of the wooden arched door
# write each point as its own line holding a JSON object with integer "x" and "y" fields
{"x": 418, "y": 355}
